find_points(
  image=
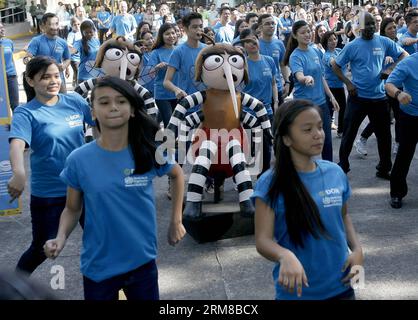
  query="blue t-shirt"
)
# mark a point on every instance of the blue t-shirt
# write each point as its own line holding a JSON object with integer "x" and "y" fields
{"x": 87, "y": 61}
{"x": 331, "y": 78}
{"x": 261, "y": 74}
{"x": 309, "y": 62}
{"x": 322, "y": 259}
{"x": 183, "y": 60}
{"x": 147, "y": 76}
{"x": 157, "y": 56}
{"x": 217, "y": 26}
{"x": 412, "y": 48}
{"x": 275, "y": 49}
{"x": 225, "y": 34}
{"x": 56, "y": 48}
{"x": 120, "y": 225}
{"x": 366, "y": 58}
{"x": 287, "y": 23}
{"x": 405, "y": 75}
{"x": 71, "y": 39}
{"x": 414, "y": 3}
{"x": 103, "y": 16}
{"x": 52, "y": 132}
{"x": 8, "y": 49}
{"x": 123, "y": 25}
{"x": 138, "y": 17}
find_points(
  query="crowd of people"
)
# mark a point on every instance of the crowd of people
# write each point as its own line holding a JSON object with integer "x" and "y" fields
{"x": 311, "y": 56}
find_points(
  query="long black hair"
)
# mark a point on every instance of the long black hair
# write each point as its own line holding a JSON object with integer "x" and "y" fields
{"x": 292, "y": 43}
{"x": 142, "y": 128}
{"x": 85, "y": 25}
{"x": 38, "y": 64}
{"x": 301, "y": 213}
{"x": 160, "y": 39}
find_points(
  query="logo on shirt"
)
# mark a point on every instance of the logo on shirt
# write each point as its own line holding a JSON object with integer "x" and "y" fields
{"x": 131, "y": 180}
{"x": 331, "y": 198}
{"x": 316, "y": 60}
{"x": 267, "y": 72}
{"x": 74, "y": 120}
{"x": 377, "y": 51}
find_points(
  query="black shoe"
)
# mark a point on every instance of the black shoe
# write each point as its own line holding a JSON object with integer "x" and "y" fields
{"x": 247, "y": 209}
{"x": 383, "y": 175}
{"x": 193, "y": 210}
{"x": 396, "y": 203}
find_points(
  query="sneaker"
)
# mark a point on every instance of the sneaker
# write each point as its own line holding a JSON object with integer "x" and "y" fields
{"x": 396, "y": 202}
{"x": 361, "y": 146}
{"x": 169, "y": 189}
{"x": 395, "y": 148}
{"x": 334, "y": 126}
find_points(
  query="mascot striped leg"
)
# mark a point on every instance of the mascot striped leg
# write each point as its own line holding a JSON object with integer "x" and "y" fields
{"x": 207, "y": 152}
{"x": 241, "y": 176}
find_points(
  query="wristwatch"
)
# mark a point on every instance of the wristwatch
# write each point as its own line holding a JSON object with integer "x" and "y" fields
{"x": 397, "y": 93}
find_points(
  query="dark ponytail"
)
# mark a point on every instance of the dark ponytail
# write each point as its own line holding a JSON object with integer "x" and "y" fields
{"x": 301, "y": 212}
{"x": 292, "y": 43}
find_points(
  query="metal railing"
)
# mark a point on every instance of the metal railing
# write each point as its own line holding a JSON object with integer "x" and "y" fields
{"x": 5, "y": 17}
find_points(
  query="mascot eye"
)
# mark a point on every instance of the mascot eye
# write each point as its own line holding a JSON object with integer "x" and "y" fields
{"x": 114, "y": 54}
{"x": 213, "y": 62}
{"x": 236, "y": 61}
{"x": 134, "y": 58}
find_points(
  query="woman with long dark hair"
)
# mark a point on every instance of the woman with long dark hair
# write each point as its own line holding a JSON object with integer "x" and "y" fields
{"x": 301, "y": 219}
{"x": 114, "y": 174}
{"x": 87, "y": 47}
{"x": 307, "y": 70}
{"x": 160, "y": 55}
{"x": 329, "y": 43}
{"x": 51, "y": 124}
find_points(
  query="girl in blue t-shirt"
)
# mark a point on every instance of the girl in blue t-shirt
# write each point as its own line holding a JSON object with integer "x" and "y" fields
{"x": 305, "y": 63}
{"x": 87, "y": 47}
{"x": 159, "y": 58}
{"x": 147, "y": 75}
{"x": 113, "y": 175}
{"x": 301, "y": 219}
{"x": 51, "y": 124}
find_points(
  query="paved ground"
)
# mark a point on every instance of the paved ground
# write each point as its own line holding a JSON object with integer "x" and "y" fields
{"x": 232, "y": 269}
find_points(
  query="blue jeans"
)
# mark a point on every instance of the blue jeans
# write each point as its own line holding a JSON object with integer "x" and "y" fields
{"x": 166, "y": 108}
{"x": 138, "y": 284}
{"x": 13, "y": 88}
{"x": 326, "y": 125}
{"x": 45, "y": 213}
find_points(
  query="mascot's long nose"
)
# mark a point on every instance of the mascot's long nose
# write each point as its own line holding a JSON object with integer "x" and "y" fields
{"x": 123, "y": 68}
{"x": 231, "y": 86}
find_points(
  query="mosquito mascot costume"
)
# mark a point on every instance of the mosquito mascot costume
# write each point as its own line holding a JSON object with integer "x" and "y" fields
{"x": 222, "y": 68}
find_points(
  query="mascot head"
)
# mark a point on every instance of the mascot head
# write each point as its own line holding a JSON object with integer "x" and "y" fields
{"x": 223, "y": 67}
{"x": 119, "y": 58}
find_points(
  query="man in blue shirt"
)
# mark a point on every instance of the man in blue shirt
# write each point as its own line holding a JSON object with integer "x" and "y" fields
{"x": 182, "y": 60}
{"x": 223, "y": 30}
{"x": 104, "y": 19}
{"x": 50, "y": 45}
{"x": 366, "y": 56}
{"x": 404, "y": 75}
{"x": 409, "y": 39}
{"x": 273, "y": 47}
{"x": 123, "y": 24}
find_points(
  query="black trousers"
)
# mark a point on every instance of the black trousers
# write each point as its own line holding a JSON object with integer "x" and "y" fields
{"x": 339, "y": 95}
{"x": 378, "y": 113}
{"x": 408, "y": 139}
{"x": 394, "y": 105}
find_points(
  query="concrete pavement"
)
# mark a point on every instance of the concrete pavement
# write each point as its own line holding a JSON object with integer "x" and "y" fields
{"x": 232, "y": 269}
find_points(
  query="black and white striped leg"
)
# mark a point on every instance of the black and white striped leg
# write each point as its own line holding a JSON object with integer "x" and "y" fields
{"x": 251, "y": 122}
{"x": 197, "y": 179}
{"x": 149, "y": 102}
{"x": 241, "y": 176}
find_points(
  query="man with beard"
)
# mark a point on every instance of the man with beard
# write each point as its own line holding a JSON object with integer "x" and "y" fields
{"x": 366, "y": 56}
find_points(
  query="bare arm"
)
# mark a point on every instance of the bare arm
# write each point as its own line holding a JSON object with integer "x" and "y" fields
{"x": 176, "y": 229}
{"x": 403, "y": 97}
{"x": 292, "y": 275}
{"x": 169, "y": 85}
{"x": 330, "y": 95}
{"x": 17, "y": 182}
{"x": 68, "y": 221}
{"x": 337, "y": 70}
{"x": 275, "y": 95}
{"x": 285, "y": 73}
